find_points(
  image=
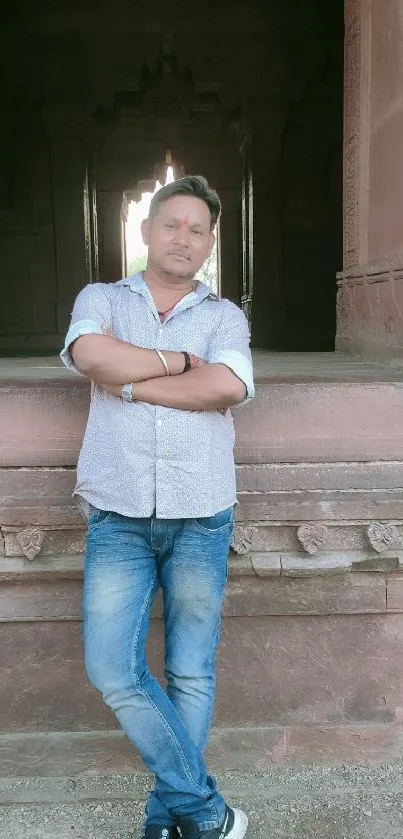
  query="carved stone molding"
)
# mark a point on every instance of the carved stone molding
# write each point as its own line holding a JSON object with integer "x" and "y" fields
{"x": 241, "y": 542}
{"x": 30, "y": 541}
{"x": 312, "y": 537}
{"x": 382, "y": 537}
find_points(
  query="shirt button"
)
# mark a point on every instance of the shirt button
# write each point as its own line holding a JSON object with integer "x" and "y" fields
{"x": 159, "y": 423}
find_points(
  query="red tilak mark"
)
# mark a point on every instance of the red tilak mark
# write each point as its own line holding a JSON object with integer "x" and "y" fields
{"x": 185, "y": 221}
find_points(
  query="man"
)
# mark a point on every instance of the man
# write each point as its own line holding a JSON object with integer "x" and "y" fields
{"x": 156, "y": 477}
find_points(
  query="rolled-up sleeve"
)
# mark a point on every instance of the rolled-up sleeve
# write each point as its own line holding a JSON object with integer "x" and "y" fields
{"x": 91, "y": 312}
{"x": 230, "y": 346}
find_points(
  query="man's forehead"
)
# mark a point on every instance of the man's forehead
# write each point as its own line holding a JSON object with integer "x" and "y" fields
{"x": 187, "y": 209}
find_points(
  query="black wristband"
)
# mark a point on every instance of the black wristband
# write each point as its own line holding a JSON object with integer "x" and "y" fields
{"x": 188, "y": 365}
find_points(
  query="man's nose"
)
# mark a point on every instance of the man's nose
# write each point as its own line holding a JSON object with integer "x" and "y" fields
{"x": 182, "y": 234}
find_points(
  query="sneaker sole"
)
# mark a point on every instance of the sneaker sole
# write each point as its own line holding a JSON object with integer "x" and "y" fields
{"x": 240, "y": 825}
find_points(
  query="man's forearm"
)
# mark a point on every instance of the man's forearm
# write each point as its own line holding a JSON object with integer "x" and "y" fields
{"x": 106, "y": 360}
{"x": 209, "y": 388}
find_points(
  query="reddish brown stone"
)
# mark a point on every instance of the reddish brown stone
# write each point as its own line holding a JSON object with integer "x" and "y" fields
{"x": 266, "y": 564}
{"x": 57, "y": 542}
{"x": 360, "y": 593}
{"x": 394, "y": 597}
{"x": 318, "y": 506}
{"x": 286, "y": 477}
{"x": 353, "y": 422}
{"x": 364, "y": 744}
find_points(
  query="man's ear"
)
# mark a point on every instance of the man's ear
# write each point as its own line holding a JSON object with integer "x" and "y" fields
{"x": 146, "y": 230}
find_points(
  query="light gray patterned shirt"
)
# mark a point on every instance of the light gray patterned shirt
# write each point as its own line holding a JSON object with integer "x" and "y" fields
{"x": 138, "y": 459}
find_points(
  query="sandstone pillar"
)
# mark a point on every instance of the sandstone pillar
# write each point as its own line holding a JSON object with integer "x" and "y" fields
{"x": 370, "y": 294}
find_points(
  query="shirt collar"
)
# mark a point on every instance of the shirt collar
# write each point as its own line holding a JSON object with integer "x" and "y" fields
{"x": 137, "y": 284}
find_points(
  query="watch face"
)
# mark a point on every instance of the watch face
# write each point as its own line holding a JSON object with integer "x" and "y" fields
{"x": 127, "y": 393}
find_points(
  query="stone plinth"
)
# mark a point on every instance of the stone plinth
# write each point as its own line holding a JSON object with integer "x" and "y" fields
{"x": 313, "y": 617}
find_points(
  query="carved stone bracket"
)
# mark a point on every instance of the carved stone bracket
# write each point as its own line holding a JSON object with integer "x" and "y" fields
{"x": 382, "y": 537}
{"x": 312, "y": 537}
{"x": 241, "y": 542}
{"x": 30, "y": 541}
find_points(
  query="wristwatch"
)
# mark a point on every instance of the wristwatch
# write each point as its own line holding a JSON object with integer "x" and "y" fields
{"x": 127, "y": 392}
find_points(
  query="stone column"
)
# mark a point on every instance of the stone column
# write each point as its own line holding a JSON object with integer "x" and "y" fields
{"x": 370, "y": 293}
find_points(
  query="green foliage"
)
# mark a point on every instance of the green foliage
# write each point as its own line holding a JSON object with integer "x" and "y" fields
{"x": 137, "y": 264}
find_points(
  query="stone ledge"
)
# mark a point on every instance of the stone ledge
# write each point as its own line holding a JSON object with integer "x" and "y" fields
{"x": 252, "y": 564}
{"x": 343, "y": 537}
{"x": 302, "y": 566}
{"x": 46, "y": 598}
{"x": 59, "y": 755}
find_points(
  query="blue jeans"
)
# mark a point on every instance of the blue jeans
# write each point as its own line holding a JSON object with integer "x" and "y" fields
{"x": 127, "y": 560}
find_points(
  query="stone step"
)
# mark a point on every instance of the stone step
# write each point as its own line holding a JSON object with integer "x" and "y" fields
{"x": 74, "y": 764}
{"x": 58, "y": 482}
{"x": 43, "y": 496}
{"x": 42, "y": 422}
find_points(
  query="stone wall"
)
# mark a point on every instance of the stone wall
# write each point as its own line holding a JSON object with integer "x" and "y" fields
{"x": 370, "y": 295}
{"x": 313, "y": 618}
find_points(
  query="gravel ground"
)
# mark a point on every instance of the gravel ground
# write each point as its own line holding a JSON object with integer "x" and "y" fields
{"x": 300, "y": 803}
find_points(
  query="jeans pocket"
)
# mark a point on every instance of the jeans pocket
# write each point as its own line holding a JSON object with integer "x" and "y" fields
{"x": 217, "y": 523}
{"x": 98, "y": 517}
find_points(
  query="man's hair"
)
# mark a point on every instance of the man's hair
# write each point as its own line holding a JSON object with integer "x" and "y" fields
{"x": 193, "y": 185}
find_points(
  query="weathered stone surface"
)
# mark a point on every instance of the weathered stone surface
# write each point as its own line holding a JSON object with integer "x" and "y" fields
{"x": 305, "y": 670}
{"x": 319, "y": 506}
{"x": 283, "y": 477}
{"x": 48, "y": 600}
{"x": 16, "y": 568}
{"x": 60, "y": 599}
{"x": 352, "y": 744}
{"x": 295, "y": 671}
{"x": 302, "y": 566}
{"x": 43, "y": 514}
{"x": 275, "y": 427}
{"x": 40, "y": 482}
{"x": 362, "y": 562}
{"x": 395, "y": 594}
{"x": 57, "y": 542}
{"x": 240, "y": 567}
{"x": 358, "y": 593}
{"x": 353, "y": 422}
{"x": 26, "y": 408}
{"x": 266, "y": 565}
{"x": 281, "y": 537}
{"x": 78, "y": 753}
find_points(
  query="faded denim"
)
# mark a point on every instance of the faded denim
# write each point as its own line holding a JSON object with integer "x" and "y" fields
{"x": 127, "y": 561}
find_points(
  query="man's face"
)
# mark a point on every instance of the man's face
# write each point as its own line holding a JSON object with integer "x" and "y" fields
{"x": 179, "y": 238}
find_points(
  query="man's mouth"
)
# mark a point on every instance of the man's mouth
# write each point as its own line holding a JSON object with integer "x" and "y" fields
{"x": 181, "y": 256}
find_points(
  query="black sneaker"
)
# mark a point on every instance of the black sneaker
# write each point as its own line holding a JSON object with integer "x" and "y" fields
{"x": 158, "y": 831}
{"x": 234, "y": 826}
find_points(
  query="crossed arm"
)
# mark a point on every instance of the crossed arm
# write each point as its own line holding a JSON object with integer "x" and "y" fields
{"x": 111, "y": 363}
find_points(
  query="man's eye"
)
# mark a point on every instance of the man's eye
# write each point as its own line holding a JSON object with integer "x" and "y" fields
{"x": 170, "y": 226}
{"x": 197, "y": 232}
